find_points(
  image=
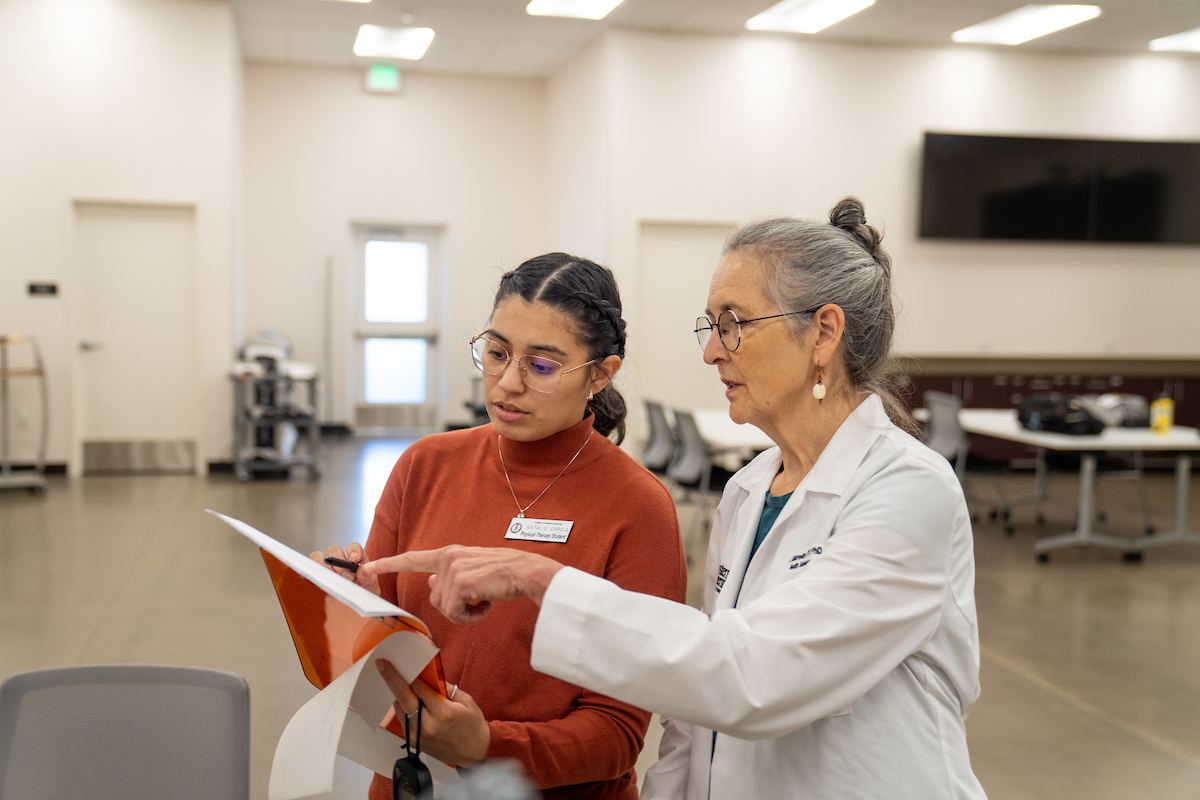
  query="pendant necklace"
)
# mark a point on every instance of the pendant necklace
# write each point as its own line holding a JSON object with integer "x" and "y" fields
{"x": 521, "y": 511}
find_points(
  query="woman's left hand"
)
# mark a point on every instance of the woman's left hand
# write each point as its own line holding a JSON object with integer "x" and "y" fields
{"x": 452, "y": 731}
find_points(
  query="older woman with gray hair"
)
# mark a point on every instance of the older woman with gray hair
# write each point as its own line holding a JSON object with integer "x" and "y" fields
{"x": 836, "y": 653}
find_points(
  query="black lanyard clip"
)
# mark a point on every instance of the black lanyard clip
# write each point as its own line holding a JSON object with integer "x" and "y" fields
{"x": 410, "y": 778}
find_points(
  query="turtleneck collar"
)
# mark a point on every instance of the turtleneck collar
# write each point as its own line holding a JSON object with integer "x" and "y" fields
{"x": 550, "y": 455}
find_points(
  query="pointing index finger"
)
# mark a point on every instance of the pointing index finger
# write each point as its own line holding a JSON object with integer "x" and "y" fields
{"x": 412, "y": 561}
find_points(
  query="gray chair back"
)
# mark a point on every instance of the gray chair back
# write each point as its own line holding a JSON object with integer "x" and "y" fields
{"x": 660, "y": 446}
{"x": 692, "y": 464}
{"x": 943, "y": 432}
{"x": 125, "y": 732}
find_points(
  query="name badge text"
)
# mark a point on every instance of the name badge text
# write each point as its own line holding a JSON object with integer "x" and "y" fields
{"x": 539, "y": 530}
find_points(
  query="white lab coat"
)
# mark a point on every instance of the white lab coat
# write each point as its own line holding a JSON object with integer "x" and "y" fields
{"x": 840, "y": 663}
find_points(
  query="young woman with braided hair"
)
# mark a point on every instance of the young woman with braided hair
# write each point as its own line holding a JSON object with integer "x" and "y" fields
{"x": 543, "y": 479}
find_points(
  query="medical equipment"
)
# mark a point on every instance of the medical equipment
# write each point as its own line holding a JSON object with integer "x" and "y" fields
{"x": 34, "y": 480}
{"x": 275, "y": 410}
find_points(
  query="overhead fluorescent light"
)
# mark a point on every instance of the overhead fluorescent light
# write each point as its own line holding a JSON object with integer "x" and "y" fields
{"x": 806, "y": 16}
{"x": 356, "y": 1}
{"x": 579, "y": 9}
{"x": 1188, "y": 41}
{"x": 1027, "y": 22}
{"x": 376, "y": 41}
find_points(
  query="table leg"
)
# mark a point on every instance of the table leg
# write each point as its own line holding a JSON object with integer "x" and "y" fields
{"x": 1179, "y": 534}
{"x": 1083, "y": 533}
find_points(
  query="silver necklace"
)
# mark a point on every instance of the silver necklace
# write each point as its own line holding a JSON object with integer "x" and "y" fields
{"x": 521, "y": 511}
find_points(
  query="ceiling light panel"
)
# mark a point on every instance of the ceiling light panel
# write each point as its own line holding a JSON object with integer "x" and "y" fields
{"x": 1025, "y": 23}
{"x": 1188, "y": 41}
{"x": 806, "y": 16}
{"x": 579, "y": 9}
{"x": 376, "y": 41}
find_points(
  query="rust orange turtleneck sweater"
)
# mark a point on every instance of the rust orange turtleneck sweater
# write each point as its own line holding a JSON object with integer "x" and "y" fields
{"x": 450, "y": 489}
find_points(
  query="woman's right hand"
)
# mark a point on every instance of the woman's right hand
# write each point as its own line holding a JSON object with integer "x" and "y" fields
{"x": 353, "y": 552}
{"x": 466, "y": 581}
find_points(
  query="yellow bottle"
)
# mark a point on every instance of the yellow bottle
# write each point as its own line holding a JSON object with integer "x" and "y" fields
{"x": 1162, "y": 414}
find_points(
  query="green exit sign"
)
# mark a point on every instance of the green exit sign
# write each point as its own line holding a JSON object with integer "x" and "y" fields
{"x": 383, "y": 78}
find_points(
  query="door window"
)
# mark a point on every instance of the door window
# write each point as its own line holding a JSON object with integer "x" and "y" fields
{"x": 397, "y": 331}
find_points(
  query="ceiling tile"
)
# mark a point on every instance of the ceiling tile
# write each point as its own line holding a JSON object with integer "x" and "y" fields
{"x": 497, "y": 37}
{"x": 524, "y": 58}
{"x": 263, "y": 42}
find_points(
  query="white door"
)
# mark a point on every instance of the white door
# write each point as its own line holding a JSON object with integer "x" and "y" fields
{"x": 136, "y": 404}
{"x": 398, "y": 362}
{"x": 675, "y": 263}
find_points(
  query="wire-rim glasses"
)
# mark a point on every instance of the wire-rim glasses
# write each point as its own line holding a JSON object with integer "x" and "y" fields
{"x": 729, "y": 327}
{"x": 539, "y": 373}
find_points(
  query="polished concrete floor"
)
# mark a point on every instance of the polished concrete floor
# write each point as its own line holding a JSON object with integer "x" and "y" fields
{"x": 1091, "y": 666}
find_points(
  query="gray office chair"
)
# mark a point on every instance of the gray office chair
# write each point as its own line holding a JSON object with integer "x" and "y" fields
{"x": 660, "y": 446}
{"x": 694, "y": 472}
{"x": 943, "y": 433}
{"x": 945, "y": 436}
{"x": 1134, "y": 471}
{"x": 125, "y": 732}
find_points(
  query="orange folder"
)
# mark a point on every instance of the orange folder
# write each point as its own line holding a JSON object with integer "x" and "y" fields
{"x": 329, "y": 635}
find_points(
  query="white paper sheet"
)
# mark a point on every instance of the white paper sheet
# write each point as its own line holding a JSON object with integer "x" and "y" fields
{"x": 343, "y": 719}
{"x": 364, "y": 602}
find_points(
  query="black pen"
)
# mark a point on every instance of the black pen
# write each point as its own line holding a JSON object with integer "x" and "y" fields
{"x": 341, "y": 562}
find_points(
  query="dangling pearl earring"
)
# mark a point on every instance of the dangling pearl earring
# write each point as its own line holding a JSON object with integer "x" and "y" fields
{"x": 819, "y": 388}
{"x": 589, "y": 395}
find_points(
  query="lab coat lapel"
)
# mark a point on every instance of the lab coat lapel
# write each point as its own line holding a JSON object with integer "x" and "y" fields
{"x": 839, "y": 462}
{"x": 753, "y": 480}
{"x": 831, "y": 475}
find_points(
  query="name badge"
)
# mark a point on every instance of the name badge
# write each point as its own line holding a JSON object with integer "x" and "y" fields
{"x": 539, "y": 530}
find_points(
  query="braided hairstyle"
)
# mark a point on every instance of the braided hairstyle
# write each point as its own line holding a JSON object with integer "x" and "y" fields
{"x": 587, "y": 293}
{"x": 809, "y": 263}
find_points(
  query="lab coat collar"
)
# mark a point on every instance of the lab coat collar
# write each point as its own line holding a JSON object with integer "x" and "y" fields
{"x": 836, "y": 465}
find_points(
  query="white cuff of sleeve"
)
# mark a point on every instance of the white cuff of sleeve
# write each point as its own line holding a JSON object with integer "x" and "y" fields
{"x": 562, "y": 622}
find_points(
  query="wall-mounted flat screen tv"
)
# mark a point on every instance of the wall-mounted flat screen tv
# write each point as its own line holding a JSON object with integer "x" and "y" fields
{"x": 1077, "y": 190}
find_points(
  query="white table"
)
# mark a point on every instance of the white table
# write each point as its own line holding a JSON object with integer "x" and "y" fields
{"x": 730, "y": 445}
{"x": 1003, "y": 424}
{"x": 722, "y": 433}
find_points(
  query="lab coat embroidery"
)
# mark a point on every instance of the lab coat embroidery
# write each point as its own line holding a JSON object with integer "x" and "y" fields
{"x": 722, "y": 573}
{"x": 799, "y": 561}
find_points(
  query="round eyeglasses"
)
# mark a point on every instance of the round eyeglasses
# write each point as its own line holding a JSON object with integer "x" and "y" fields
{"x": 729, "y": 327}
{"x": 540, "y": 374}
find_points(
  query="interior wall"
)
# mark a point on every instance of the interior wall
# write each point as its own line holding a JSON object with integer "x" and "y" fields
{"x": 115, "y": 101}
{"x": 665, "y": 361}
{"x": 322, "y": 155}
{"x": 146, "y": 101}
{"x": 737, "y": 128}
{"x": 580, "y": 137}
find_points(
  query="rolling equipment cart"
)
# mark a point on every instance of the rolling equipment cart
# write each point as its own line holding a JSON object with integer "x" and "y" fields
{"x": 275, "y": 411}
{"x": 33, "y": 480}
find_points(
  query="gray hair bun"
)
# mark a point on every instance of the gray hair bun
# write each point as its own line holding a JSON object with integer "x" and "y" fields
{"x": 849, "y": 216}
